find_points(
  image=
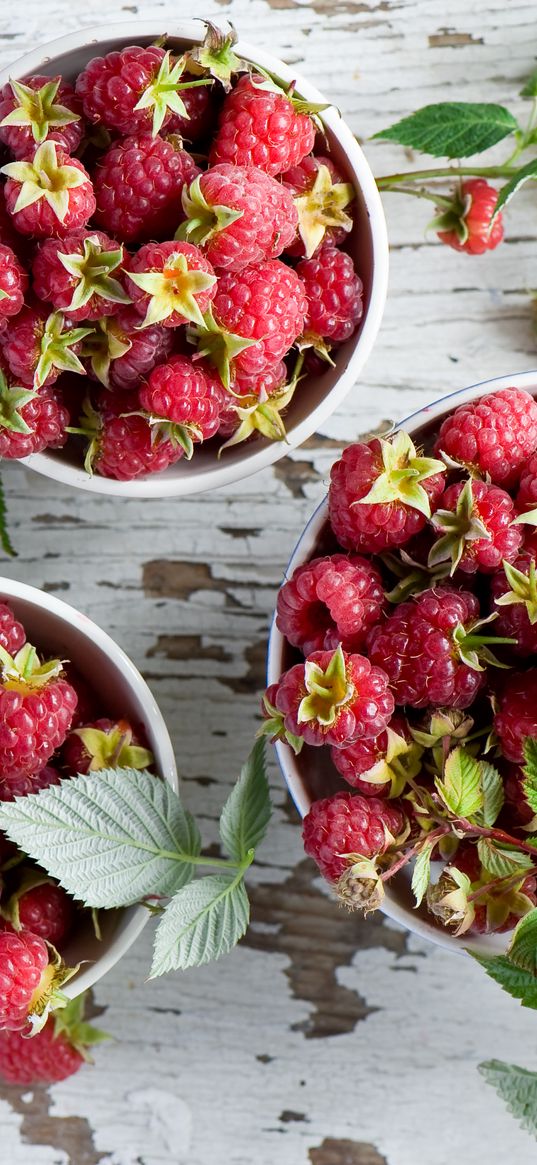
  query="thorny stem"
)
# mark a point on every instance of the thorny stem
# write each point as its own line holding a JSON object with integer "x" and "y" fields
{"x": 496, "y": 882}
{"x": 387, "y": 181}
{"x": 410, "y": 853}
{"x": 421, "y": 193}
{"x": 497, "y": 835}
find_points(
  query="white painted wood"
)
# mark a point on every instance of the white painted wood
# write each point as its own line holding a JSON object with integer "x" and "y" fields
{"x": 182, "y": 1085}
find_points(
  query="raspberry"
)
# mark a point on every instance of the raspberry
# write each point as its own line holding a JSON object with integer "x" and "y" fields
{"x": 9, "y": 237}
{"x": 329, "y": 601}
{"x": 180, "y": 392}
{"x": 13, "y": 283}
{"x": 375, "y": 766}
{"x": 125, "y": 446}
{"x": 170, "y": 284}
{"x": 201, "y": 109}
{"x": 39, "y": 345}
{"x": 516, "y": 716}
{"x": 422, "y": 648}
{"x": 475, "y": 525}
{"x": 37, "y": 110}
{"x": 261, "y": 128}
{"x": 321, "y": 199}
{"x": 24, "y": 977}
{"x": 79, "y": 275}
{"x": 120, "y": 354}
{"x": 526, "y": 498}
{"x": 257, "y": 315}
{"x": 346, "y": 824}
{"x": 514, "y": 592}
{"x": 12, "y": 633}
{"x": 240, "y": 216}
{"x": 493, "y": 435}
{"x": 334, "y": 698}
{"x": 29, "y": 421}
{"x": 491, "y": 910}
{"x": 470, "y": 219}
{"x": 20, "y": 784}
{"x": 381, "y": 493}
{"x": 44, "y": 910}
{"x": 36, "y": 710}
{"x": 134, "y": 90}
{"x": 45, "y": 1059}
{"x": 59, "y": 188}
{"x": 104, "y": 744}
{"x": 138, "y": 184}
{"x": 334, "y": 294}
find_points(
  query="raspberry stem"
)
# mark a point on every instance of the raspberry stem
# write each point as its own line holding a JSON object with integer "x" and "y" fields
{"x": 387, "y": 181}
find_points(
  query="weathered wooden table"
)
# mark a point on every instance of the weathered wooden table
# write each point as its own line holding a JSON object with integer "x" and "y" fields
{"x": 323, "y": 1039}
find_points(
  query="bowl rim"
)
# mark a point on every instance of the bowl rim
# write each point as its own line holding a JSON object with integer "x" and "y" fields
{"x": 483, "y": 944}
{"x": 220, "y": 474}
{"x": 135, "y": 918}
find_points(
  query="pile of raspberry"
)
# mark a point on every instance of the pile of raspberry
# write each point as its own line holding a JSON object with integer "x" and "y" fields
{"x": 413, "y": 632}
{"x": 52, "y": 727}
{"x": 171, "y": 258}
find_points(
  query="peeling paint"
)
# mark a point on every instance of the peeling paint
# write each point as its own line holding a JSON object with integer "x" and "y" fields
{"x": 336, "y": 1152}
{"x": 188, "y": 647}
{"x": 448, "y": 38}
{"x": 296, "y": 475}
{"x": 254, "y": 680}
{"x": 70, "y": 1135}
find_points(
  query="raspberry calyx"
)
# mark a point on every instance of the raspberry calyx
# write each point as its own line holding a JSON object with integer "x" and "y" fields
{"x": 25, "y": 671}
{"x": 404, "y": 470}
{"x": 56, "y": 348}
{"x": 38, "y": 109}
{"x": 218, "y": 346}
{"x": 457, "y": 528}
{"x": 173, "y": 289}
{"x": 326, "y": 690}
{"x": 264, "y": 416}
{"x": 215, "y": 56}
{"x": 44, "y": 178}
{"x": 203, "y": 221}
{"x": 113, "y": 748}
{"x": 163, "y": 94}
{"x": 323, "y": 206}
{"x": 13, "y": 398}
{"x": 92, "y": 271}
{"x": 523, "y": 589}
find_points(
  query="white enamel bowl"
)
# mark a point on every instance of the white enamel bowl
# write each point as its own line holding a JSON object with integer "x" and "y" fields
{"x": 65, "y": 633}
{"x": 310, "y": 775}
{"x": 318, "y": 396}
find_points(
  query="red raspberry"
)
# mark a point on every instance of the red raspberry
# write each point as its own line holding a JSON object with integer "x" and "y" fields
{"x": 240, "y": 216}
{"x": 329, "y": 601}
{"x": 475, "y": 523}
{"x": 134, "y": 90}
{"x": 493, "y": 435}
{"x": 526, "y": 498}
{"x": 24, "y": 965}
{"x": 201, "y": 109}
{"x": 494, "y": 911}
{"x": 80, "y": 275}
{"x": 20, "y": 784}
{"x": 104, "y": 744}
{"x": 125, "y": 446}
{"x": 516, "y": 717}
{"x": 472, "y": 211}
{"x": 39, "y": 345}
{"x": 60, "y": 188}
{"x": 421, "y": 647}
{"x": 181, "y": 393}
{"x": 37, "y": 110}
{"x": 514, "y": 593}
{"x": 13, "y": 283}
{"x": 261, "y": 128}
{"x": 45, "y": 1059}
{"x": 12, "y": 633}
{"x": 44, "y": 910}
{"x": 29, "y": 420}
{"x": 9, "y": 237}
{"x": 347, "y": 824}
{"x": 170, "y": 284}
{"x": 370, "y": 509}
{"x": 258, "y": 313}
{"x": 321, "y": 199}
{"x": 371, "y": 766}
{"x": 356, "y": 701}
{"x": 261, "y": 384}
{"x": 36, "y": 710}
{"x": 334, "y": 294}
{"x": 120, "y": 354}
{"x": 247, "y": 390}
{"x": 138, "y": 184}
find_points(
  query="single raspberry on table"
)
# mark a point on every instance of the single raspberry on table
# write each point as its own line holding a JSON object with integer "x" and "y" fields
{"x": 321, "y": 198}
{"x": 492, "y": 436}
{"x": 182, "y": 401}
{"x": 339, "y": 828}
{"x": 36, "y": 709}
{"x": 238, "y": 215}
{"x": 467, "y": 225}
{"x": 138, "y": 184}
{"x": 54, "y": 1053}
{"x": 255, "y": 317}
{"x": 37, "y": 110}
{"x": 381, "y": 493}
{"x": 380, "y": 767}
{"x": 39, "y": 345}
{"x": 334, "y": 294}
{"x": 333, "y": 698}
{"x": 514, "y": 594}
{"x": 261, "y": 125}
{"x": 135, "y": 90}
{"x": 104, "y": 744}
{"x": 29, "y": 979}
{"x": 13, "y": 283}
{"x": 81, "y": 275}
{"x": 475, "y": 903}
{"x": 48, "y": 193}
{"x": 516, "y": 715}
{"x": 475, "y": 524}
{"x": 119, "y": 353}
{"x": 330, "y": 600}
{"x": 22, "y": 784}
{"x": 30, "y": 420}
{"x": 170, "y": 283}
{"x": 12, "y": 633}
{"x": 121, "y": 443}
{"x": 431, "y": 648}
{"x": 43, "y": 909}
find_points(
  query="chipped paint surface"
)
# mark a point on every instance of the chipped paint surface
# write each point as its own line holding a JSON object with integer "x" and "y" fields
{"x": 322, "y": 1040}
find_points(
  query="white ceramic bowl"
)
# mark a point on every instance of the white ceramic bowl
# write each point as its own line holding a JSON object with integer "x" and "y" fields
{"x": 66, "y": 633}
{"x": 317, "y": 398}
{"x": 310, "y": 775}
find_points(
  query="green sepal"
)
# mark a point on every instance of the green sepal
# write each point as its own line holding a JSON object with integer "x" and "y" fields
{"x": 92, "y": 272}
{"x": 274, "y": 727}
{"x": 323, "y": 206}
{"x": 216, "y": 57}
{"x": 113, "y": 749}
{"x": 528, "y": 518}
{"x": 203, "y": 221}
{"x": 403, "y": 472}
{"x": 56, "y": 348}
{"x": 90, "y": 426}
{"x": 25, "y": 669}
{"x": 44, "y": 178}
{"x": 13, "y": 398}
{"x": 173, "y": 289}
{"x": 414, "y": 577}
{"x": 458, "y": 527}
{"x": 401, "y": 763}
{"x": 104, "y": 343}
{"x": 327, "y": 691}
{"x": 473, "y": 647}
{"x": 264, "y": 416}
{"x": 162, "y": 95}
{"x": 448, "y": 899}
{"x": 69, "y": 1022}
{"x": 38, "y": 109}
{"x": 219, "y": 347}
{"x": 523, "y": 589}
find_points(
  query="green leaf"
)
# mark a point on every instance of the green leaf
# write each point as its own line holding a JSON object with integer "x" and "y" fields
{"x": 500, "y": 861}
{"x": 530, "y": 772}
{"x": 493, "y": 794}
{"x": 461, "y": 788}
{"x": 517, "y": 983}
{"x": 523, "y": 946}
{"x": 246, "y": 813}
{"x": 506, "y": 193}
{"x": 452, "y": 129}
{"x": 517, "y": 1088}
{"x": 201, "y": 923}
{"x": 530, "y": 88}
{"x": 421, "y": 873}
{"x": 5, "y": 540}
{"x": 110, "y": 838}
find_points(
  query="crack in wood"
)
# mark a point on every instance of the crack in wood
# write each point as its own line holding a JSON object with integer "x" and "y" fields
{"x": 173, "y": 579}
{"x": 254, "y": 680}
{"x": 289, "y": 1115}
{"x": 296, "y": 475}
{"x": 188, "y": 648}
{"x": 343, "y": 1152}
{"x": 448, "y": 38}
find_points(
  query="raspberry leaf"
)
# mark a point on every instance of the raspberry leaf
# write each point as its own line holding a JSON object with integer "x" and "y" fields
{"x": 500, "y": 860}
{"x": 422, "y": 873}
{"x": 519, "y": 984}
{"x": 452, "y": 129}
{"x": 44, "y": 178}
{"x": 201, "y": 923}
{"x": 517, "y": 1087}
{"x": 246, "y": 813}
{"x": 530, "y": 772}
{"x": 38, "y": 109}
{"x": 493, "y": 795}
{"x": 513, "y": 186}
{"x": 522, "y": 949}
{"x": 461, "y": 786}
